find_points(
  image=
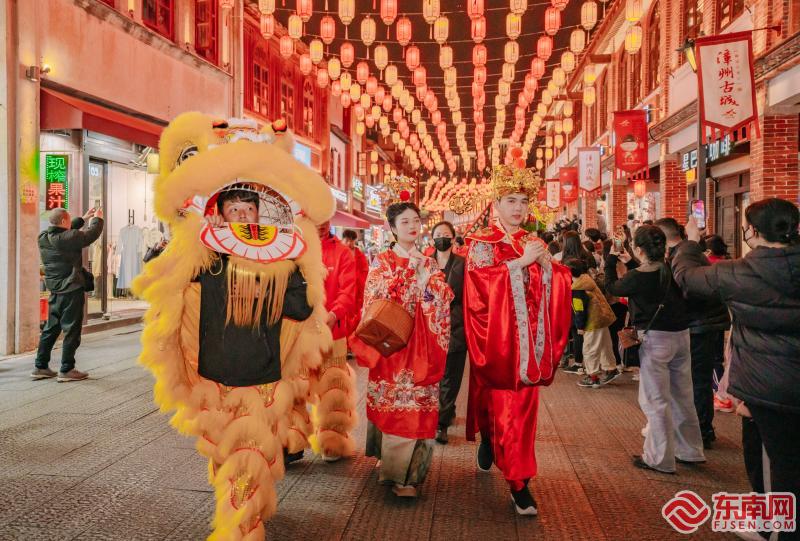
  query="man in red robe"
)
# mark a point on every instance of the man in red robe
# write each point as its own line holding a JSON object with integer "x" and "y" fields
{"x": 349, "y": 238}
{"x": 517, "y": 315}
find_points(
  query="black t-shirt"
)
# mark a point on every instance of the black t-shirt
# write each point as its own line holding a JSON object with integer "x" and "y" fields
{"x": 242, "y": 356}
{"x": 645, "y": 291}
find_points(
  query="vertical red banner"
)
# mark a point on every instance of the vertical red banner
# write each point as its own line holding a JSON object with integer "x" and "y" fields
{"x": 553, "y": 193}
{"x": 568, "y": 177}
{"x": 589, "y": 169}
{"x": 630, "y": 151}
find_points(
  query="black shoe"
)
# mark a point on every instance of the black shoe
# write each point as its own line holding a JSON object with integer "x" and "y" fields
{"x": 573, "y": 369}
{"x": 609, "y": 376}
{"x": 524, "y": 503}
{"x": 485, "y": 455}
{"x": 708, "y": 442}
{"x": 288, "y": 457}
{"x": 639, "y": 462}
{"x": 441, "y": 436}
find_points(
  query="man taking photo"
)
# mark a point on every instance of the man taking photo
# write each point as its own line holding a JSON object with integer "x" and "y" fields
{"x": 60, "y": 247}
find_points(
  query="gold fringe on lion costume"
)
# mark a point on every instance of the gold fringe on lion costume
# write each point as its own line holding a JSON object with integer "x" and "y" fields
{"x": 242, "y": 429}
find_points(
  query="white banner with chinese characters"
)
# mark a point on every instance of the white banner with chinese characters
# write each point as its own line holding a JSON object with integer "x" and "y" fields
{"x": 726, "y": 85}
{"x": 589, "y": 171}
{"x": 553, "y": 193}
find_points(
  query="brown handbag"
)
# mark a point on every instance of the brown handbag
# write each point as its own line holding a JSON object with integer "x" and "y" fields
{"x": 386, "y": 326}
{"x": 628, "y": 338}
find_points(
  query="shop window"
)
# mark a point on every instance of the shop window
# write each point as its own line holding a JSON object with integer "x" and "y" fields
{"x": 287, "y": 101}
{"x": 727, "y": 12}
{"x": 206, "y": 29}
{"x": 260, "y": 81}
{"x": 653, "y": 50}
{"x": 159, "y": 16}
{"x": 308, "y": 109}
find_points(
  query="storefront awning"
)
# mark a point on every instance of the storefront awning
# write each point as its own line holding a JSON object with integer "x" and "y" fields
{"x": 63, "y": 112}
{"x": 374, "y": 220}
{"x": 345, "y": 219}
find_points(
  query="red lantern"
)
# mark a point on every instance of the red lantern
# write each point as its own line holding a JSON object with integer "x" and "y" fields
{"x": 428, "y": 99}
{"x": 519, "y": 163}
{"x": 412, "y": 58}
{"x": 537, "y": 67}
{"x": 544, "y": 47}
{"x": 422, "y": 90}
{"x": 420, "y": 76}
{"x": 322, "y": 78}
{"x": 478, "y": 31}
{"x": 267, "y": 26}
{"x": 346, "y": 99}
{"x": 477, "y": 89}
{"x": 404, "y": 31}
{"x": 387, "y": 103}
{"x": 286, "y": 46}
{"x": 369, "y": 121}
{"x": 388, "y": 11}
{"x": 305, "y": 9}
{"x": 479, "y": 75}
{"x": 358, "y": 110}
{"x": 531, "y": 83}
{"x": 397, "y": 115}
{"x": 336, "y": 89}
{"x": 474, "y": 8}
{"x": 479, "y": 55}
{"x": 327, "y": 29}
{"x": 477, "y": 116}
{"x": 522, "y": 99}
{"x": 479, "y": 101}
{"x": 640, "y": 188}
{"x": 362, "y": 72}
{"x": 380, "y": 94}
{"x": 552, "y": 21}
{"x": 436, "y": 118}
{"x": 372, "y": 86}
{"x": 405, "y": 195}
{"x": 305, "y": 64}
{"x": 347, "y": 54}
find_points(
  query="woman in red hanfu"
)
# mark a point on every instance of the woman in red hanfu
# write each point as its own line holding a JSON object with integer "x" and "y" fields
{"x": 517, "y": 315}
{"x": 403, "y": 389}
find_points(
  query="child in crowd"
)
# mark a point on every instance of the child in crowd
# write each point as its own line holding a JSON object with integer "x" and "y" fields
{"x": 592, "y": 317}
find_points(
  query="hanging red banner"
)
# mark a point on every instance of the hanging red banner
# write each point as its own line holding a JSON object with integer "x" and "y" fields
{"x": 568, "y": 177}
{"x": 630, "y": 152}
{"x": 726, "y": 84}
{"x": 589, "y": 170}
{"x": 553, "y": 193}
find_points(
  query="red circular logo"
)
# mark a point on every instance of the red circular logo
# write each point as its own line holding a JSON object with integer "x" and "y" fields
{"x": 686, "y": 512}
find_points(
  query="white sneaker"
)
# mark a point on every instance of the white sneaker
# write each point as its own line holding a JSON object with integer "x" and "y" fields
{"x": 331, "y": 458}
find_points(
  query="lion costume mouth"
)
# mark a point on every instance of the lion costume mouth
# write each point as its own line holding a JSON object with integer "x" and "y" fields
{"x": 274, "y": 238}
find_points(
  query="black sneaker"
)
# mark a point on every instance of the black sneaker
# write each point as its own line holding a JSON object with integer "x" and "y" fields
{"x": 609, "y": 376}
{"x": 441, "y": 436}
{"x": 288, "y": 457}
{"x": 589, "y": 381}
{"x": 485, "y": 455}
{"x": 573, "y": 369}
{"x": 524, "y": 503}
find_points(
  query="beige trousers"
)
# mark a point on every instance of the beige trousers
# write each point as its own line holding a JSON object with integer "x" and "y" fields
{"x": 598, "y": 352}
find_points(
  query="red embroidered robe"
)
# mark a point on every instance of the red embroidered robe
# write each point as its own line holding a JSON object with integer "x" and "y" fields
{"x": 516, "y": 322}
{"x": 403, "y": 389}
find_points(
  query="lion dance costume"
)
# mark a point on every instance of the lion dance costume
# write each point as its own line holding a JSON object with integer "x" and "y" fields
{"x": 241, "y": 427}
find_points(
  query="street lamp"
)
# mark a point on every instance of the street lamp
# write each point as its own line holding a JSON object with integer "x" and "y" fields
{"x": 689, "y": 51}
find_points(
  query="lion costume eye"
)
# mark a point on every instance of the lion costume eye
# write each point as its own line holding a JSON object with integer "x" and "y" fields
{"x": 187, "y": 153}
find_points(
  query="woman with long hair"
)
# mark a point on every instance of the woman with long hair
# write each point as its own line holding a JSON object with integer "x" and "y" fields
{"x": 573, "y": 249}
{"x": 658, "y": 313}
{"x": 403, "y": 388}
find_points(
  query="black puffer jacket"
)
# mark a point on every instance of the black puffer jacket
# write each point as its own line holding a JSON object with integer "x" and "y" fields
{"x": 61, "y": 252}
{"x": 762, "y": 290}
{"x": 706, "y": 314}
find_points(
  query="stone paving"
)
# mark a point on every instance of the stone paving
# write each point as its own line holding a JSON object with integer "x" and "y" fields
{"x": 95, "y": 460}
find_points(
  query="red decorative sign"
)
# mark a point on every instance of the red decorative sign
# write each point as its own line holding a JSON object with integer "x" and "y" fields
{"x": 553, "y": 193}
{"x": 568, "y": 177}
{"x": 589, "y": 169}
{"x": 630, "y": 152}
{"x": 726, "y": 84}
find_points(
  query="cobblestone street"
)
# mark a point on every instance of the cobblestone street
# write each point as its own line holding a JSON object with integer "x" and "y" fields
{"x": 96, "y": 460}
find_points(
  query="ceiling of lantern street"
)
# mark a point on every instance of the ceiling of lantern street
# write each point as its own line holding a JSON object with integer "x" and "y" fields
{"x": 461, "y": 42}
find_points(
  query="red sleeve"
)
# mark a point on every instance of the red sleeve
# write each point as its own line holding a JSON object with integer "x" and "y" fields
{"x": 344, "y": 302}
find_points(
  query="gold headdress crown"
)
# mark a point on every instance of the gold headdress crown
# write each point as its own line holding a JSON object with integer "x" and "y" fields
{"x": 508, "y": 179}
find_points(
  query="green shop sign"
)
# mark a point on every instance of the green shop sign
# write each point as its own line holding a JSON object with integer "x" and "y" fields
{"x": 56, "y": 167}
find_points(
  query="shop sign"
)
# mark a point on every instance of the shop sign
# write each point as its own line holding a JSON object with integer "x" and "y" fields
{"x": 373, "y": 201}
{"x": 358, "y": 189}
{"x": 56, "y": 178}
{"x": 339, "y": 195}
{"x": 631, "y": 142}
{"x": 714, "y": 151}
{"x": 589, "y": 172}
{"x": 302, "y": 153}
{"x": 553, "y": 186}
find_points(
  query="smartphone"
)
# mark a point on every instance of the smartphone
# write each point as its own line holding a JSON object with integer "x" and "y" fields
{"x": 699, "y": 213}
{"x": 617, "y": 244}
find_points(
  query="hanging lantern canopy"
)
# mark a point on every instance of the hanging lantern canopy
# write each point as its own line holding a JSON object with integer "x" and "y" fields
{"x": 541, "y": 109}
{"x": 381, "y": 57}
{"x": 568, "y": 61}
{"x": 504, "y": 89}
{"x": 347, "y": 80}
{"x": 286, "y": 46}
{"x": 479, "y": 55}
{"x": 346, "y": 99}
{"x": 589, "y": 15}
{"x": 355, "y": 92}
{"x": 569, "y": 125}
{"x": 361, "y": 129}
{"x": 371, "y": 86}
{"x": 430, "y": 10}
{"x": 478, "y": 29}
{"x": 445, "y": 57}
{"x": 375, "y": 111}
{"x": 633, "y": 39}
{"x": 477, "y": 89}
{"x": 508, "y": 73}
{"x": 640, "y": 188}
{"x": 327, "y": 29}
{"x": 368, "y": 30}
{"x": 548, "y": 141}
{"x": 421, "y": 92}
{"x": 548, "y": 154}
{"x": 390, "y": 75}
{"x": 450, "y": 77}
{"x": 559, "y": 77}
{"x": 336, "y": 88}
{"x": 441, "y": 30}
{"x": 552, "y": 21}
{"x": 518, "y": 7}
{"x": 305, "y": 9}
{"x": 388, "y": 11}
{"x": 267, "y": 24}
{"x": 322, "y": 78}
{"x": 531, "y": 84}
{"x": 315, "y": 50}
{"x": 558, "y": 140}
{"x": 559, "y": 4}
{"x": 568, "y": 108}
{"x": 474, "y": 8}
{"x": 412, "y": 58}
{"x": 305, "y": 64}
{"x": 416, "y": 116}
{"x": 362, "y": 72}
{"x": 513, "y": 25}
{"x": 420, "y": 76}
{"x": 295, "y": 26}
{"x": 547, "y": 97}
{"x": 537, "y": 67}
{"x": 511, "y": 52}
{"x": 558, "y": 126}
{"x": 387, "y": 103}
{"x": 347, "y": 53}
{"x": 266, "y": 7}
{"x": 479, "y": 75}
{"x": 544, "y": 47}
{"x": 633, "y": 11}
{"x": 552, "y": 87}
{"x": 577, "y": 41}
{"x": 403, "y": 31}
{"x": 347, "y": 12}
{"x": 589, "y": 74}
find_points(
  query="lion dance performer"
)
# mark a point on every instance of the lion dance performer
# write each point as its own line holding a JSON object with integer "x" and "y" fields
{"x": 517, "y": 313}
{"x": 236, "y": 329}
